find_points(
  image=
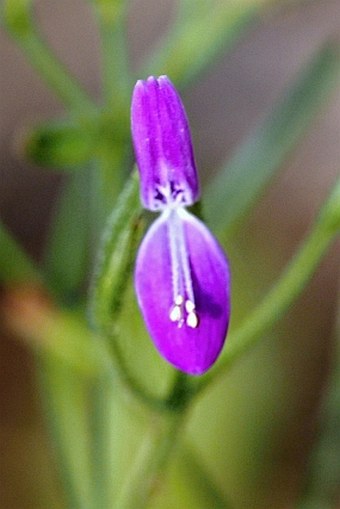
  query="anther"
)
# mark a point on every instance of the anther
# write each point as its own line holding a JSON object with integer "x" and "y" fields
{"x": 192, "y": 318}
{"x": 176, "y": 312}
{"x": 179, "y": 300}
{"x": 189, "y": 306}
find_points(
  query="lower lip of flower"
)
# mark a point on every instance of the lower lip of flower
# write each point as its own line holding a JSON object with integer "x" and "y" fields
{"x": 182, "y": 284}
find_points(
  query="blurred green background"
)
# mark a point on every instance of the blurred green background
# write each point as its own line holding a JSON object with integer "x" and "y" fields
{"x": 254, "y": 429}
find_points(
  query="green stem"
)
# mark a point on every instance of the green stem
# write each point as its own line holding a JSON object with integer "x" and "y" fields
{"x": 62, "y": 406}
{"x": 41, "y": 57}
{"x": 196, "y": 486}
{"x": 112, "y": 163}
{"x": 117, "y": 85}
{"x": 180, "y": 393}
{"x": 236, "y": 188}
{"x": 113, "y": 268}
{"x": 182, "y": 53}
{"x": 99, "y": 398}
{"x": 15, "y": 265}
{"x": 147, "y": 473}
{"x": 156, "y": 451}
{"x": 67, "y": 254}
{"x": 56, "y": 76}
{"x": 129, "y": 381}
{"x": 116, "y": 78}
{"x": 322, "y": 476}
{"x": 111, "y": 17}
{"x": 284, "y": 293}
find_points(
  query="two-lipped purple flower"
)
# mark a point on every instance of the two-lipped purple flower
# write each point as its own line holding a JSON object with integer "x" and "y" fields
{"x": 182, "y": 277}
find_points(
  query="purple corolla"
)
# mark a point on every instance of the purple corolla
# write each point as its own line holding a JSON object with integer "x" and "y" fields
{"x": 182, "y": 276}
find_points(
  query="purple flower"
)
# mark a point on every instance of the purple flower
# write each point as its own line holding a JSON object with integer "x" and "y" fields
{"x": 182, "y": 276}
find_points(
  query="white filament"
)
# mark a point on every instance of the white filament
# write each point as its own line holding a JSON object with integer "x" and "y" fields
{"x": 183, "y": 309}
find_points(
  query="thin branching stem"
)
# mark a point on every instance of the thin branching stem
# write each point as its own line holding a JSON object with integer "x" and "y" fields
{"x": 285, "y": 291}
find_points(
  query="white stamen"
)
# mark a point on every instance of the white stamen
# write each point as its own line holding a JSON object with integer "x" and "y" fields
{"x": 183, "y": 310}
{"x": 192, "y": 320}
{"x": 189, "y": 306}
{"x": 175, "y": 314}
{"x": 177, "y": 281}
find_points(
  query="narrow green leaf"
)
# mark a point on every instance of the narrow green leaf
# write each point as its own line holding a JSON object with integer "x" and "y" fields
{"x": 16, "y": 14}
{"x": 198, "y": 35}
{"x": 15, "y": 265}
{"x": 194, "y": 484}
{"x": 151, "y": 462}
{"x": 17, "y": 17}
{"x": 288, "y": 287}
{"x": 323, "y": 472}
{"x": 112, "y": 21}
{"x": 59, "y": 145}
{"x": 242, "y": 180}
{"x": 67, "y": 255}
{"x": 330, "y": 214}
{"x": 115, "y": 256}
{"x": 63, "y": 395}
{"x": 100, "y": 432}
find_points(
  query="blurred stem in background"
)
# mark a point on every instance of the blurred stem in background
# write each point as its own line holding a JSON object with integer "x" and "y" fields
{"x": 18, "y": 18}
{"x": 117, "y": 81}
{"x": 16, "y": 266}
{"x": 321, "y": 490}
{"x": 147, "y": 474}
{"x": 286, "y": 289}
{"x": 76, "y": 366}
{"x": 242, "y": 180}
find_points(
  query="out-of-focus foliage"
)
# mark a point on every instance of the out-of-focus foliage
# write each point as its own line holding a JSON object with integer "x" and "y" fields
{"x": 104, "y": 390}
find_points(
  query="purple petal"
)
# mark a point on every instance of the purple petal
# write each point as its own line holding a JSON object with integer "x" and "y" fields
{"x": 162, "y": 143}
{"x": 192, "y": 350}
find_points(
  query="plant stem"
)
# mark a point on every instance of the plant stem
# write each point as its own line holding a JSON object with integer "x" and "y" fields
{"x": 46, "y": 63}
{"x": 245, "y": 176}
{"x": 113, "y": 267}
{"x": 117, "y": 85}
{"x": 111, "y": 16}
{"x": 322, "y": 476}
{"x": 99, "y": 399}
{"x": 116, "y": 78}
{"x": 130, "y": 382}
{"x": 67, "y": 254}
{"x": 60, "y": 390}
{"x": 284, "y": 293}
{"x": 15, "y": 266}
{"x": 56, "y": 75}
{"x": 146, "y": 475}
{"x": 196, "y": 484}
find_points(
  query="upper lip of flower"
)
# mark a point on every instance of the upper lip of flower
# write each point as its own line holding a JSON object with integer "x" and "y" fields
{"x": 163, "y": 147}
